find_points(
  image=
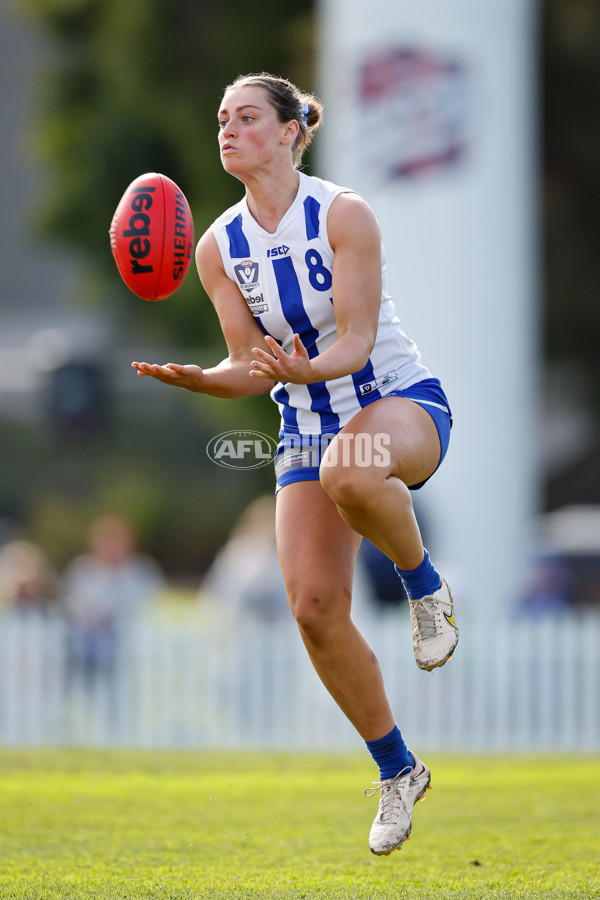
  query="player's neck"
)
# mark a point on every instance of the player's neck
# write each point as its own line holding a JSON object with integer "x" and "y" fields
{"x": 269, "y": 199}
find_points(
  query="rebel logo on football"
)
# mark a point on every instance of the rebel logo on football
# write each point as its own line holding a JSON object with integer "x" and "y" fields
{"x": 139, "y": 229}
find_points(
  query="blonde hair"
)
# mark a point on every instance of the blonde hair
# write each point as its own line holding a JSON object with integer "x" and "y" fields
{"x": 290, "y": 103}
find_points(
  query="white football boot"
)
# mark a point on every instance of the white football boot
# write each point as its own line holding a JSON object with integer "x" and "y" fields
{"x": 435, "y": 634}
{"x": 393, "y": 822}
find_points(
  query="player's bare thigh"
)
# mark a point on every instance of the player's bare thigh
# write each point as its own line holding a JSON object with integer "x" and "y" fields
{"x": 406, "y": 431}
{"x": 317, "y": 550}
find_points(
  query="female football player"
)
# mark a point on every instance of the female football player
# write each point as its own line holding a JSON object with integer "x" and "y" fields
{"x": 297, "y": 274}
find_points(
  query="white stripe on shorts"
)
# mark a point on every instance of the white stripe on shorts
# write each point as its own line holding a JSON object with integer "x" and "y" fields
{"x": 430, "y": 403}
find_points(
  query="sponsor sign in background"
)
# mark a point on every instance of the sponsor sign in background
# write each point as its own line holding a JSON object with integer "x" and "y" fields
{"x": 430, "y": 113}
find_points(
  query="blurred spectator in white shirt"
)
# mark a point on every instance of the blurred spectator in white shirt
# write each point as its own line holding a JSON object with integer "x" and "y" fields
{"x": 105, "y": 591}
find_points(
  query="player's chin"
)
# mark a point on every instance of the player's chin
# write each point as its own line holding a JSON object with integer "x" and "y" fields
{"x": 232, "y": 164}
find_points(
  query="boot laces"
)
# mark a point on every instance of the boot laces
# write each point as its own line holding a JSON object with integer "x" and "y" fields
{"x": 389, "y": 788}
{"x": 425, "y": 625}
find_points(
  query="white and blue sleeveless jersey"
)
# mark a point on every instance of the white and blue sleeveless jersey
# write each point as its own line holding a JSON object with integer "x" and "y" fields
{"x": 286, "y": 280}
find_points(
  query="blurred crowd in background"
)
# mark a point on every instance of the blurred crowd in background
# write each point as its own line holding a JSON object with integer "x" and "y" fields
{"x": 101, "y": 594}
{"x": 87, "y": 103}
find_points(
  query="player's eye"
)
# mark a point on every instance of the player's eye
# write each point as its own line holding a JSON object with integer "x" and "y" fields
{"x": 247, "y": 118}
{"x": 222, "y": 123}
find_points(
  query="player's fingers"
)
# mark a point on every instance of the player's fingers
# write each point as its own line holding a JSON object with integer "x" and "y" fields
{"x": 263, "y": 355}
{"x": 142, "y": 368}
{"x": 265, "y": 365}
{"x": 276, "y": 348}
{"x": 299, "y": 346}
{"x": 160, "y": 372}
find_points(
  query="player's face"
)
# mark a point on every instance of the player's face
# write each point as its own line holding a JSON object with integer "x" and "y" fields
{"x": 250, "y": 134}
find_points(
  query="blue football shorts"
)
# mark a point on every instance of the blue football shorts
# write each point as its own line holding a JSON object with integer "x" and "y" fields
{"x": 298, "y": 456}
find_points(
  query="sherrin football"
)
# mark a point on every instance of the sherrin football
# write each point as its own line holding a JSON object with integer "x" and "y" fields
{"x": 152, "y": 236}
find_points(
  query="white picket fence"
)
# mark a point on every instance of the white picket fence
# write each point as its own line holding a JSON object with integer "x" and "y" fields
{"x": 511, "y": 686}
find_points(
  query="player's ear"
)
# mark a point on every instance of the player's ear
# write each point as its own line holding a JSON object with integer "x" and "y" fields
{"x": 290, "y": 132}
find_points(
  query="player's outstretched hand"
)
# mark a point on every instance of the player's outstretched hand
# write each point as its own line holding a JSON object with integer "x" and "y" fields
{"x": 189, "y": 377}
{"x": 281, "y": 366}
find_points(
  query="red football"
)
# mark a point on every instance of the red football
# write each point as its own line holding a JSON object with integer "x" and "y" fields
{"x": 152, "y": 236}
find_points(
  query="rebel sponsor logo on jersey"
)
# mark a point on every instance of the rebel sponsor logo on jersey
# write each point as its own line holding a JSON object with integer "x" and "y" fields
{"x": 377, "y": 383}
{"x": 247, "y": 273}
{"x": 257, "y": 303}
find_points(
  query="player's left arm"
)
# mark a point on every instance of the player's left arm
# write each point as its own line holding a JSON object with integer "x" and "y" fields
{"x": 355, "y": 237}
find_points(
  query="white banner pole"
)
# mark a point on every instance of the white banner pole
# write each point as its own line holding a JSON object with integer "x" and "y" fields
{"x": 430, "y": 112}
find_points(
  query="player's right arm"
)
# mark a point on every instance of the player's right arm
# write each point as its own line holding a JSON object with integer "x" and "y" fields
{"x": 231, "y": 379}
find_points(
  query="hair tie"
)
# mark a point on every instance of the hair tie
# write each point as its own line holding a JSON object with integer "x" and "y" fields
{"x": 305, "y": 111}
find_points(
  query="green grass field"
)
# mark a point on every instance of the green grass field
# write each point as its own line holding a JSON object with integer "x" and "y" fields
{"x": 85, "y": 824}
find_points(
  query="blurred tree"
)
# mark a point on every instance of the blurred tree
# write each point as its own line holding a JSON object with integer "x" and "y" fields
{"x": 127, "y": 87}
{"x": 571, "y": 85}
{"x": 134, "y": 87}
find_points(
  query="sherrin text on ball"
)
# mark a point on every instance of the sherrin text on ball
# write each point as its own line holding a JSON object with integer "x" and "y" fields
{"x": 152, "y": 236}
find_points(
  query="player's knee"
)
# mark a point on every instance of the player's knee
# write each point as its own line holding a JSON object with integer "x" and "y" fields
{"x": 350, "y": 487}
{"x": 316, "y": 614}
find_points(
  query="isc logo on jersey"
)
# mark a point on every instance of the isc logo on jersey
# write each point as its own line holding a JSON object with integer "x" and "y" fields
{"x": 247, "y": 273}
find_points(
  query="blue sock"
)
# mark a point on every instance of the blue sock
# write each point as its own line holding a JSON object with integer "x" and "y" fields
{"x": 391, "y": 754}
{"x": 422, "y": 581}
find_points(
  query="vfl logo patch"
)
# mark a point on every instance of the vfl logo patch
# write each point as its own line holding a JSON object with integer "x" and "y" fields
{"x": 246, "y": 273}
{"x": 377, "y": 383}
